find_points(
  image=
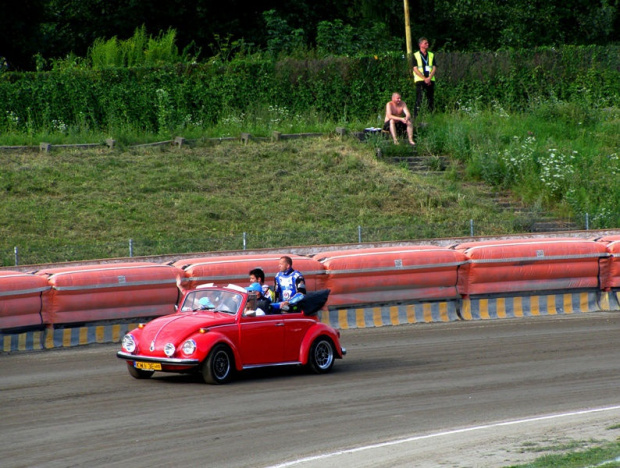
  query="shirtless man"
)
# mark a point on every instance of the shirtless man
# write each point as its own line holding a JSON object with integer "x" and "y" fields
{"x": 398, "y": 119}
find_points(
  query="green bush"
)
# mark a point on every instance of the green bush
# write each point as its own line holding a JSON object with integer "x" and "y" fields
{"x": 344, "y": 89}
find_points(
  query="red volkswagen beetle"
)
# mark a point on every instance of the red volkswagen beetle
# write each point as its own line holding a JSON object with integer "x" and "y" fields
{"x": 217, "y": 331}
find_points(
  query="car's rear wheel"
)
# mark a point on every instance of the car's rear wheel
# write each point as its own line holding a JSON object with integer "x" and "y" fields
{"x": 139, "y": 373}
{"x": 321, "y": 358}
{"x": 219, "y": 365}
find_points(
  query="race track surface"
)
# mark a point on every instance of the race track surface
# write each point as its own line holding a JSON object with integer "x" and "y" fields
{"x": 410, "y": 395}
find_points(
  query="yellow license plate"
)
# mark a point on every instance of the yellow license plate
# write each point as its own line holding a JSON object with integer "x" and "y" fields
{"x": 147, "y": 365}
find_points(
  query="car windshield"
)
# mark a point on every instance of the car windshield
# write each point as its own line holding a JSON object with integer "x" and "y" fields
{"x": 212, "y": 299}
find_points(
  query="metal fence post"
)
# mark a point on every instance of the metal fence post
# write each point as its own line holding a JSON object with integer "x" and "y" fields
{"x": 130, "y": 248}
{"x": 244, "y": 240}
{"x": 16, "y": 256}
{"x": 471, "y": 227}
{"x": 587, "y": 222}
{"x": 359, "y": 234}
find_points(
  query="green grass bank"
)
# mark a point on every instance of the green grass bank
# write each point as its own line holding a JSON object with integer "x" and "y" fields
{"x": 557, "y": 158}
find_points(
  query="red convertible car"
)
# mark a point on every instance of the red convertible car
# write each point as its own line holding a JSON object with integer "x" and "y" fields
{"x": 217, "y": 331}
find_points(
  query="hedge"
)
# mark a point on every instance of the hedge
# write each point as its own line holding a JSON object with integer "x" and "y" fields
{"x": 338, "y": 88}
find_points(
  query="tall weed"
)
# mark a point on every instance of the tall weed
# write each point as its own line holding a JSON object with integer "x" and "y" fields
{"x": 558, "y": 154}
{"x": 138, "y": 50}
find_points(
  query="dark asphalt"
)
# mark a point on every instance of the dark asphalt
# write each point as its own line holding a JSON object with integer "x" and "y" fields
{"x": 80, "y": 407}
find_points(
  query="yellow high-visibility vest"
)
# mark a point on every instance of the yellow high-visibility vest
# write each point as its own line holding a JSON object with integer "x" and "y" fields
{"x": 421, "y": 64}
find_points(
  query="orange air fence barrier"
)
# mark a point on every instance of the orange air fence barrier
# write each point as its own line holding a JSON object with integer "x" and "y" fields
{"x": 20, "y": 299}
{"x": 112, "y": 291}
{"x": 390, "y": 274}
{"x": 529, "y": 265}
{"x": 610, "y": 271}
{"x": 234, "y": 269}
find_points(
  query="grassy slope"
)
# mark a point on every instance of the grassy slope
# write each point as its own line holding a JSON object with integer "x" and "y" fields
{"x": 312, "y": 185}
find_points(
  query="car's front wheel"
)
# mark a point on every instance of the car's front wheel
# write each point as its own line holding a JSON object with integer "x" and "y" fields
{"x": 321, "y": 358}
{"x": 139, "y": 373}
{"x": 218, "y": 367}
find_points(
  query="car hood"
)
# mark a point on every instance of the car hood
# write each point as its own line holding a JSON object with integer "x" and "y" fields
{"x": 178, "y": 327}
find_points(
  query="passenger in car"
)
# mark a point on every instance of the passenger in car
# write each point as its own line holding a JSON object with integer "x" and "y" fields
{"x": 257, "y": 303}
{"x": 257, "y": 275}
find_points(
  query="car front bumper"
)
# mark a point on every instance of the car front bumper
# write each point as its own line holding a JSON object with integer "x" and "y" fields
{"x": 161, "y": 360}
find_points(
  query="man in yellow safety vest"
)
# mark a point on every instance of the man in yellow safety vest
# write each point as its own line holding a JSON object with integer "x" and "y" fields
{"x": 424, "y": 76}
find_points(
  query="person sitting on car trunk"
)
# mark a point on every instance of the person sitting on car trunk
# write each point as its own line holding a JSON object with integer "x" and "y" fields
{"x": 288, "y": 283}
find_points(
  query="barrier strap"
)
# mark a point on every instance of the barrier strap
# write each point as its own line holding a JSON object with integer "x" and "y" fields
{"x": 25, "y": 291}
{"x": 429, "y": 266}
{"x": 108, "y": 268}
{"x": 539, "y": 259}
{"x": 115, "y": 285}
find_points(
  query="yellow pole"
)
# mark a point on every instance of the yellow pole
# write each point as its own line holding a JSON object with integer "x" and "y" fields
{"x": 408, "y": 35}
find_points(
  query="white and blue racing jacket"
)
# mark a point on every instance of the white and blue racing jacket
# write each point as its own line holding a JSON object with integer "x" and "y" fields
{"x": 288, "y": 283}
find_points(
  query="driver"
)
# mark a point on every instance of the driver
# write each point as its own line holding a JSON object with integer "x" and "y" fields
{"x": 205, "y": 303}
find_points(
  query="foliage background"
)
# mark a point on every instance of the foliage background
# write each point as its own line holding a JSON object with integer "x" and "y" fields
{"x": 52, "y": 29}
{"x": 167, "y": 98}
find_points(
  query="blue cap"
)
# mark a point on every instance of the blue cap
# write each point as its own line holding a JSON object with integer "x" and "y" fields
{"x": 206, "y": 303}
{"x": 254, "y": 287}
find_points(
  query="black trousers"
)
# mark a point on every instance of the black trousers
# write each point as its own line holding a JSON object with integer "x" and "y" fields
{"x": 420, "y": 89}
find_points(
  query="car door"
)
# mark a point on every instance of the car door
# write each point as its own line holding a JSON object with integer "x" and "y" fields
{"x": 261, "y": 340}
{"x": 296, "y": 326}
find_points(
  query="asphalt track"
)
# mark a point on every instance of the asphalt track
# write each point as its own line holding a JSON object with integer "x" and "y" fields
{"x": 443, "y": 394}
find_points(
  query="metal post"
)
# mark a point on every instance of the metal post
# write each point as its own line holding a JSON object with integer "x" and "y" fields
{"x": 471, "y": 227}
{"x": 587, "y": 222}
{"x": 408, "y": 40}
{"x": 16, "y": 256}
{"x": 359, "y": 234}
{"x": 130, "y": 248}
{"x": 244, "y": 240}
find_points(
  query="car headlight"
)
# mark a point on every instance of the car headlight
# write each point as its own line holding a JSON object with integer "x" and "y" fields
{"x": 129, "y": 343}
{"x": 169, "y": 349}
{"x": 189, "y": 347}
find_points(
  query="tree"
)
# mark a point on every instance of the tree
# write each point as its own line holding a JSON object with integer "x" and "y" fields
{"x": 491, "y": 25}
{"x": 20, "y": 33}
{"x": 56, "y": 28}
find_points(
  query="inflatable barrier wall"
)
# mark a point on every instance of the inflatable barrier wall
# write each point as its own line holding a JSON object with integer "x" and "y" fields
{"x": 530, "y": 265}
{"x": 106, "y": 292}
{"x": 369, "y": 287}
{"x": 610, "y": 271}
{"x": 610, "y": 274}
{"x": 390, "y": 274}
{"x": 235, "y": 269}
{"x": 20, "y": 299}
